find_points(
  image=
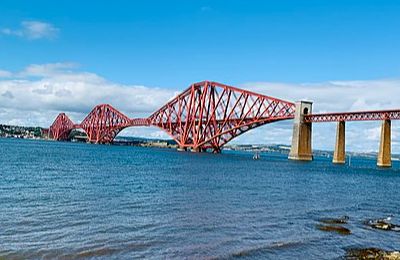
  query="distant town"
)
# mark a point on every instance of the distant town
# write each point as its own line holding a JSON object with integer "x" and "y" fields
{"x": 22, "y": 132}
{"x": 11, "y": 131}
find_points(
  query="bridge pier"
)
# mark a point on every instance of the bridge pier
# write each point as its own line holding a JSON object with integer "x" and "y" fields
{"x": 301, "y": 140}
{"x": 339, "y": 155}
{"x": 198, "y": 150}
{"x": 385, "y": 153}
{"x": 181, "y": 149}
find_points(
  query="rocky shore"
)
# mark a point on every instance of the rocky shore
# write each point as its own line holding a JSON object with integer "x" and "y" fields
{"x": 337, "y": 225}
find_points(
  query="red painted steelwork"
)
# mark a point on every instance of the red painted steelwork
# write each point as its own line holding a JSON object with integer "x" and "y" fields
{"x": 61, "y": 127}
{"x": 208, "y": 115}
{"x": 353, "y": 116}
{"x": 205, "y": 116}
{"x": 140, "y": 122}
{"x": 103, "y": 123}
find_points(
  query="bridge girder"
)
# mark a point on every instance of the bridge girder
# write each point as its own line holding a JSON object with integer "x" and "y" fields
{"x": 207, "y": 115}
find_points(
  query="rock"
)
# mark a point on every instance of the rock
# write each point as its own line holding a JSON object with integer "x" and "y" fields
{"x": 341, "y": 220}
{"x": 395, "y": 255}
{"x": 363, "y": 253}
{"x": 333, "y": 228}
{"x": 372, "y": 253}
{"x": 382, "y": 224}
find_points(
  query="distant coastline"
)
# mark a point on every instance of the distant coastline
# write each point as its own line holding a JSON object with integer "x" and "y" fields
{"x": 23, "y": 132}
{"x": 284, "y": 149}
{"x": 40, "y": 133}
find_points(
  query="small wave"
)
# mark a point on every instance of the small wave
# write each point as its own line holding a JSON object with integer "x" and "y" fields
{"x": 254, "y": 251}
{"x": 96, "y": 252}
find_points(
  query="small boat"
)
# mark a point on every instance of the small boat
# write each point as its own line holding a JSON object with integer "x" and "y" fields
{"x": 256, "y": 156}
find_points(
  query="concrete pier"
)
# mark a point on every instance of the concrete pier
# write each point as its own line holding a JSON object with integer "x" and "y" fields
{"x": 197, "y": 150}
{"x": 181, "y": 149}
{"x": 339, "y": 155}
{"x": 301, "y": 140}
{"x": 385, "y": 153}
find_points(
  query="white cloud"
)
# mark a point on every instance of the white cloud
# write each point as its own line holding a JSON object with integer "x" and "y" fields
{"x": 147, "y": 132}
{"x": 48, "y": 70}
{"x": 335, "y": 96}
{"x": 57, "y": 87}
{"x": 33, "y": 30}
{"x": 35, "y": 95}
{"x": 5, "y": 74}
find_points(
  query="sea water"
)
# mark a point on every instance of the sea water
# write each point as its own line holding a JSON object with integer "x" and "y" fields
{"x": 74, "y": 200}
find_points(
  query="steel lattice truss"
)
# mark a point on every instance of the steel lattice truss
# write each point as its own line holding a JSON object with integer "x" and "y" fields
{"x": 208, "y": 115}
{"x": 140, "y": 122}
{"x": 61, "y": 127}
{"x": 205, "y": 116}
{"x": 354, "y": 116}
{"x": 103, "y": 123}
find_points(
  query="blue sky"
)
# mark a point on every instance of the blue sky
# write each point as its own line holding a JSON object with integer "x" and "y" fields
{"x": 67, "y": 56}
{"x": 174, "y": 43}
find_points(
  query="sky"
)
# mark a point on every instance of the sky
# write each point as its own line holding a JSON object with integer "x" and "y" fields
{"x": 67, "y": 56}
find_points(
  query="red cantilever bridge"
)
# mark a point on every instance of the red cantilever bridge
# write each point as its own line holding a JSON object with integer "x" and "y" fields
{"x": 208, "y": 115}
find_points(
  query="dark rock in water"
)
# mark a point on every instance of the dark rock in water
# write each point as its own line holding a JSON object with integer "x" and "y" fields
{"x": 382, "y": 224}
{"x": 338, "y": 229}
{"x": 372, "y": 253}
{"x": 341, "y": 220}
{"x": 334, "y": 227}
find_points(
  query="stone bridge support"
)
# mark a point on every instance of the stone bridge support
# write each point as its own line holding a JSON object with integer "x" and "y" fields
{"x": 385, "y": 153}
{"x": 339, "y": 155}
{"x": 181, "y": 149}
{"x": 301, "y": 140}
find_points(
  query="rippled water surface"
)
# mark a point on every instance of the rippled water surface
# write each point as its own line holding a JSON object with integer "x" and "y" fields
{"x": 66, "y": 200}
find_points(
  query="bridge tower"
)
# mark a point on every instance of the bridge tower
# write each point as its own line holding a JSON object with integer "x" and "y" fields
{"x": 301, "y": 140}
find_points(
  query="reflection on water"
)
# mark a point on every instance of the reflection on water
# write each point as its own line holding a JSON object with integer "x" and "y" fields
{"x": 66, "y": 200}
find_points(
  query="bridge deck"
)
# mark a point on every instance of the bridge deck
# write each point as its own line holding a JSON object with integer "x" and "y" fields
{"x": 353, "y": 116}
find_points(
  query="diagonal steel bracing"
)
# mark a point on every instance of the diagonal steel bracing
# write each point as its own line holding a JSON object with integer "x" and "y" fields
{"x": 207, "y": 115}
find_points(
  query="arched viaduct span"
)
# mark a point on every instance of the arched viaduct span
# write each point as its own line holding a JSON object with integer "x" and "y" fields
{"x": 205, "y": 116}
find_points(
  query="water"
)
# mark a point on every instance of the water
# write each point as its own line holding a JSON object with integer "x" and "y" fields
{"x": 72, "y": 201}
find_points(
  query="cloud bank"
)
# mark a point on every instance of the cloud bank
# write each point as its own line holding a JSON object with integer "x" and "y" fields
{"x": 33, "y": 30}
{"x": 35, "y": 95}
{"x": 335, "y": 96}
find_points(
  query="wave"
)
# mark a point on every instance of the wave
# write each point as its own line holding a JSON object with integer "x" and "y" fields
{"x": 270, "y": 248}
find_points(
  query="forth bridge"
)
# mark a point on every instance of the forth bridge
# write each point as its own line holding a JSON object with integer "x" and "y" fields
{"x": 208, "y": 115}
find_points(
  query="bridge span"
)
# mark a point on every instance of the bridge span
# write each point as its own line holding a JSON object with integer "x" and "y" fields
{"x": 205, "y": 116}
{"x": 208, "y": 114}
{"x": 301, "y": 148}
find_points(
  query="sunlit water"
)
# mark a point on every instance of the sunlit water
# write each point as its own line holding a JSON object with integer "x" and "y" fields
{"x": 67, "y": 200}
